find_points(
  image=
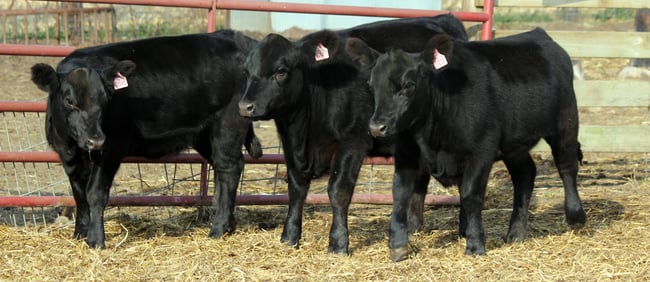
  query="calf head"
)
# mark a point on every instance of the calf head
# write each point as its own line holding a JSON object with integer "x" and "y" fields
{"x": 280, "y": 71}
{"x": 75, "y": 102}
{"x": 401, "y": 84}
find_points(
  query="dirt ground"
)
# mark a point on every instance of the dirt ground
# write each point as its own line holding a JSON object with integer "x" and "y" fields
{"x": 143, "y": 245}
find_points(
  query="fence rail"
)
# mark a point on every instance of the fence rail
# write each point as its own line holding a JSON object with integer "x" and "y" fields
{"x": 29, "y": 158}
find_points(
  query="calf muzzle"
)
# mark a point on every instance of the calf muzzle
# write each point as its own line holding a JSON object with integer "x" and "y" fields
{"x": 246, "y": 109}
{"x": 378, "y": 130}
{"x": 93, "y": 144}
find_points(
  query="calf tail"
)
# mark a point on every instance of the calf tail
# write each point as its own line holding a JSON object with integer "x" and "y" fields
{"x": 579, "y": 153}
{"x": 252, "y": 144}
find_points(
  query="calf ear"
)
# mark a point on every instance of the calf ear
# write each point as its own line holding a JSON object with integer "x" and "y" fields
{"x": 44, "y": 76}
{"x": 116, "y": 77}
{"x": 360, "y": 52}
{"x": 321, "y": 46}
{"x": 243, "y": 42}
{"x": 438, "y": 51}
{"x": 79, "y": 76}
{"x": 125, "y": 67}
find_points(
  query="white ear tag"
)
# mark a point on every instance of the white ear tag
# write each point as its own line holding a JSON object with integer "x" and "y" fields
{"x": 439, "y": 60}
{"x": 120, "y": 82}
{"x": 321, "y": 53}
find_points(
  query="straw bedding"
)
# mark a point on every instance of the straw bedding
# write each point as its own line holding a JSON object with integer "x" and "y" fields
{"x": 170, "y": 243}
{"x": 613, "y": 246}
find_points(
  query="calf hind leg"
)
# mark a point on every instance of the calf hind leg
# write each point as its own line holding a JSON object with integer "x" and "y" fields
{"x": 566, "y": 156}
{"x": 228, "y": 163}
{"x": 522, "y": 172}
{"x": 223, "y": 202}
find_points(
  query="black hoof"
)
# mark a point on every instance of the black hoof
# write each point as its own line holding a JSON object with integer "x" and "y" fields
{"x": 399, "y": 254}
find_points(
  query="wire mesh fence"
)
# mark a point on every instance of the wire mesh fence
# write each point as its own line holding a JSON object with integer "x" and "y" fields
{"x": 23, "y": 132}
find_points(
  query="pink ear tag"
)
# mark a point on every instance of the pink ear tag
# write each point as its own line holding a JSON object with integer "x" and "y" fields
{"x": 120, "y": 82}
{"x": 439, "y": 60}
{"x": 321, "y": 53}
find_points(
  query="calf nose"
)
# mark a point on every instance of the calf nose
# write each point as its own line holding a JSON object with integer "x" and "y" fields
{"x": 246, "y": 109}
{"x": 378, "y": 130}
{"x": 94, "y": 144}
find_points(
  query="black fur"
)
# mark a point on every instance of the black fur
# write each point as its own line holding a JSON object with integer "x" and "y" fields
{"x": 322, "y": 108}
{"x": 182, "y": 93}
{"x": 494, "y": 100}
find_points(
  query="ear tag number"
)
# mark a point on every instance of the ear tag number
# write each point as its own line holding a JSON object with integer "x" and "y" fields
{"x": 120, "y": 82}
{"x": 321, "y": 53}
{"x": 439, "y": 60}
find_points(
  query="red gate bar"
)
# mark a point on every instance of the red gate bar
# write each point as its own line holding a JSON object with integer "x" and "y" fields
{"x": 141, "y": 201}
{"x": 22, "y": 106}
{"x": 47, "y": 50}
{"x": 203, "y": 198}
{"x": 341, "y": 10}
{"x": 35, "y": 50}
{"x": 188, "y": 158}
{"x": 486, "y": 17}
{"x": 298, "y": 8}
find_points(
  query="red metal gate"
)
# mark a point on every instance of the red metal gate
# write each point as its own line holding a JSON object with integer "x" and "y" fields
{"x": 203, "y": 198}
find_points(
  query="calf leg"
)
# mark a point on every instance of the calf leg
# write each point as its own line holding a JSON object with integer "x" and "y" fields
{"x": 565, "y": 154}
{"x": 522, "y": 172}
{"x": 462, "y": 222}
{"x": 97, "y": 197}
{"x": 472, "y": 196}
{"x": 407, "y": 179}
{"x": 82, "y": 216}
{"x": 416, "y": 206}
{"x": 404, "y": 182}
{"x": 228, "y": 162}
{"x": 343, "y": 177}
{"x": 78, "y": 170}
{"x": 298, "y": 188}
{"x": 227, "y": 172}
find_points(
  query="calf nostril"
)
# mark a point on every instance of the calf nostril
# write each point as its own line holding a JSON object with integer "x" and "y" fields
{"x": 246, "y": 109}
{"x": 250, "y": 108}
{"x": 378, "y": 130}
{"x": 94, "y": 144}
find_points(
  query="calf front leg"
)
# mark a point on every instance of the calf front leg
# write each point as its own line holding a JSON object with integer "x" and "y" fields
{"x": 82, "y": 216}
{"x": 416, "y": 206}
{"x": 403, "y": 186}
{"x": 340, "y": 189}
{"x": 97, "y": 194}
{"x": 78, "y": 171}
{"x": 298, "y": 188}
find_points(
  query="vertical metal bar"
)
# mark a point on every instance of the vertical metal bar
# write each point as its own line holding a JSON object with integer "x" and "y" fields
{"x": 4, "y": 27}
{"x": 81, "y": 32}
{"x": 211, "y": 16}
{"x": 107, "y": 29}
{"x": 25, "y": 31}
{"x": 488, "y": 8}
{"x": 203, "y": 183}
{"x": 66, "y": 33}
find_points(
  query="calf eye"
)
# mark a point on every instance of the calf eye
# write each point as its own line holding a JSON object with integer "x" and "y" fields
{"x": 281, "y": 74}
{"x": 68, "y": 102}
{"x": 408, "y": 85}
